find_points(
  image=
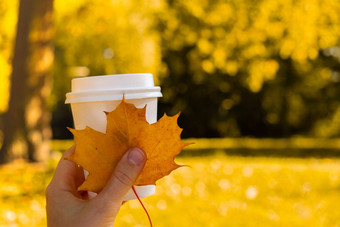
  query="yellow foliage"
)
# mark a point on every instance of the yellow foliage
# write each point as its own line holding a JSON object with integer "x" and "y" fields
{"x": 231, "y": 67}
{"x": 260, "y": 71}
{"x": 8, "y": 19}
{"x": 118, "y": 29}
{"x": 250, "y": 33}
{"x": 5, "y": 70}
{"x": 229, "y": 36}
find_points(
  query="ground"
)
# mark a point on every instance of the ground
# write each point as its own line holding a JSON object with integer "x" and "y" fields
{"x": 215, "y": 190}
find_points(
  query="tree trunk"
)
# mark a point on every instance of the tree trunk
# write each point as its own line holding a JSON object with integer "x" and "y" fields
{"x": 27, "y": 122}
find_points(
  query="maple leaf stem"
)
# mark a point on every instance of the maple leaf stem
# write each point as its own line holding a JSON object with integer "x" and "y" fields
{"x": 141, "y": 203}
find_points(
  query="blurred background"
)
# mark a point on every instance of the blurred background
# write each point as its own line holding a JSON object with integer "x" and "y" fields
{"x": 257, "y": 84}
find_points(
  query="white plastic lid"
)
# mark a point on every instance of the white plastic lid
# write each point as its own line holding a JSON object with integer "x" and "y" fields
{"x": 113, "y": 87}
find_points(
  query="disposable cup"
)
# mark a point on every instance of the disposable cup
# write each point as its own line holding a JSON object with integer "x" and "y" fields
{"x": 92, "y": 96}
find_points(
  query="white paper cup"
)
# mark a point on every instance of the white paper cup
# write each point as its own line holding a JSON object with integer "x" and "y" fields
{"x": 91, "y": 96}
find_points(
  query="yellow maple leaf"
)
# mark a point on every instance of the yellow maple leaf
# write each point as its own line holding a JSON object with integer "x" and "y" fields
{"x": 99, "y": 153}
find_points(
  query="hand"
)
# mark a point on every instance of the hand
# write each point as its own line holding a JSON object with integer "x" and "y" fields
{"x": 66, "y": 206}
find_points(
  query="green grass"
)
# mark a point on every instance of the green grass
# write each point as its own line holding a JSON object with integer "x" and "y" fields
{"x": 216, "y": 190}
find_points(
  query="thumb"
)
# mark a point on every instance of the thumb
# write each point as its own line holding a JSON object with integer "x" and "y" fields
{"x": 123, "y": 177}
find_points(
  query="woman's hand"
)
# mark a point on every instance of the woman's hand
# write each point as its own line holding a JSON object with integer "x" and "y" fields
{"x": 66, "y": 206}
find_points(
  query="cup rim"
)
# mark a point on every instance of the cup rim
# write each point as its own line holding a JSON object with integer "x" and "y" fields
{"x": 112, "y": 94}
{"x": 114, "y": 81}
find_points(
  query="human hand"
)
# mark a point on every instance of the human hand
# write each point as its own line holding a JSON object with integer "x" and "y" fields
{"x": 65, "y": 206}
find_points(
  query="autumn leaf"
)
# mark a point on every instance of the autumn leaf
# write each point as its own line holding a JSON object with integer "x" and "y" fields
{"x": 99, "y": 153}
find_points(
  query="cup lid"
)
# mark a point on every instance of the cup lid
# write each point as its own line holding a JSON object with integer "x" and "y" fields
{"x": 113, "y": 87}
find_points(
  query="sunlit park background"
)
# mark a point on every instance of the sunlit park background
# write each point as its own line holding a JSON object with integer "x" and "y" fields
{"x": 257, "y": 84}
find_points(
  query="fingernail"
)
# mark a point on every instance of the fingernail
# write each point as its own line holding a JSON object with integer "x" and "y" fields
{"x": 136, "y": 156}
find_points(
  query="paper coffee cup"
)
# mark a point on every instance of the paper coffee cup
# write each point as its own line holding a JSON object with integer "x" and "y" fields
{"x": 92, "y": 96}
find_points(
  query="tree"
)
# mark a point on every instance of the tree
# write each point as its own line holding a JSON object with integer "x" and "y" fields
{"x": 26, "y": 122}
{"x": 251, "y": 68}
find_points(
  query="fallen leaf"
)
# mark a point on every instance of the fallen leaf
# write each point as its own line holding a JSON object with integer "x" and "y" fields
{"x": 99, "y": 153}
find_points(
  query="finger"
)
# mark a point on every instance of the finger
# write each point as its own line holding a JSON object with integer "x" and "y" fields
{"x": 124, "y": 176}
{"x": 68, "y": 176}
